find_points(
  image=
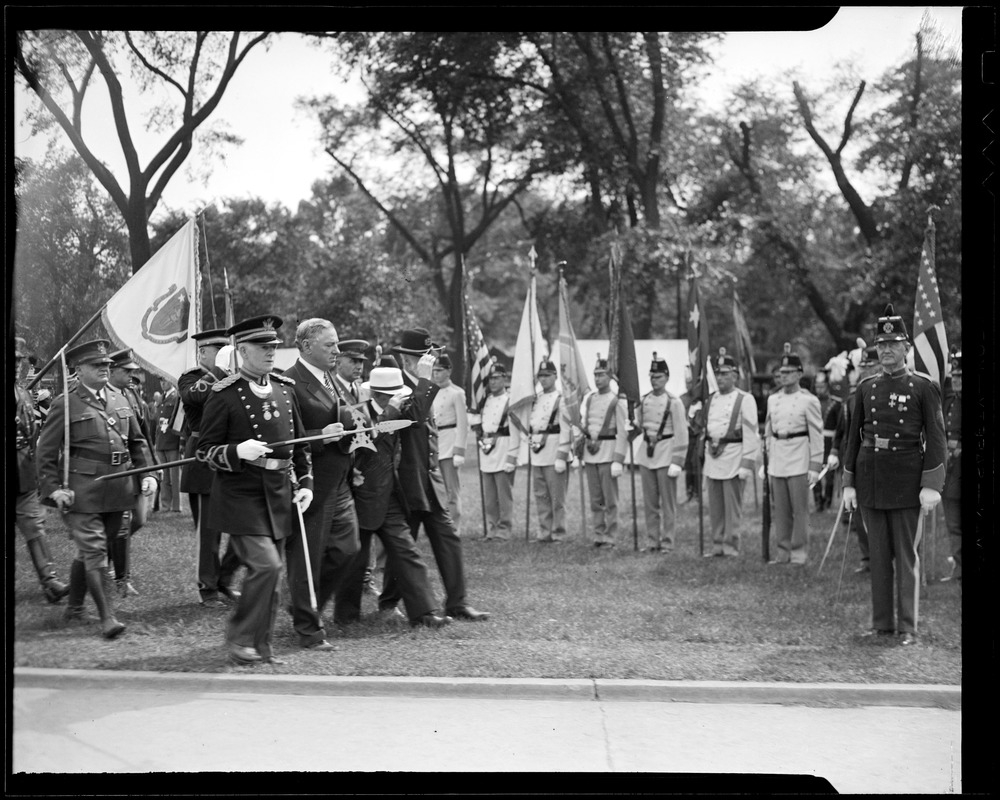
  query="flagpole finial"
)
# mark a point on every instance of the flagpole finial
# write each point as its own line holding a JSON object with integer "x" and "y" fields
{"x": 788, "y": 347}
{"x": 930, "y": 214}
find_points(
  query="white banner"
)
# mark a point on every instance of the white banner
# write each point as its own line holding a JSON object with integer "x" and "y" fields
{"x": 530, "y": 349}
{"x": 155, "y": 312}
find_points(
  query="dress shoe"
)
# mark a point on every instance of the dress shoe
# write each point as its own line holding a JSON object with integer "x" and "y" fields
{"x": 321, "y": 646}
{"x": 78, "y": 616}
{"x": 468, "y": 613}
{"x": 908, "y": 638}
{"x": 213, "y": 602}
{"x": 243, "y": 655}
{"x": 430, "y": 620}
{"x": 55, "y": 591}
{"x": 875, "y": 633}
{"x": 125, "y": 589}
{"x": 230, "y": 593}
{"x": 112, "y": 628}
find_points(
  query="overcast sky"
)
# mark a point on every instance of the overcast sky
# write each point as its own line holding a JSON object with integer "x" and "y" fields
{"x": 281, "y": 156}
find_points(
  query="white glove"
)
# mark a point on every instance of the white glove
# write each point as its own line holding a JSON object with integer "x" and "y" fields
{"x": 744, "y": 473}
{"x": 508, "y": 467}
{"x": 560, "y": 466}
{"x": 760, "y": 472}
{"x": 929, "y": 498}
{"x": 251, "y": 449}
{"x": 457, "y": 460}
{"x": 576, "y": 463}
{"x": 149, "y": 485}
{"x": 616, "y": 469}
{"x": 832, "y": 462}
{"x": 303, "y": 497}
{"x": 63, "y": 498}
{"x": 850, "y": 498}
{"x": 334, "y": 432}
{"x": 425, "y": 365}
{"x": 812, "y": 476}
{"x": 673, "y": 470}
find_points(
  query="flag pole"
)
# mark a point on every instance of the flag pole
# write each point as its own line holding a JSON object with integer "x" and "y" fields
{"x": 532, "y": 255}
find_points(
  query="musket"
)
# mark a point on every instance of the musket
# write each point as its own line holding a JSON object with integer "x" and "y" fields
{"x": 386, "y": 426}
{"x": 765, "y": 500}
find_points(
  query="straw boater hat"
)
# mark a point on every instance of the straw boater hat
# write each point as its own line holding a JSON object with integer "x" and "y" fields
{"x": 388, "y": 380}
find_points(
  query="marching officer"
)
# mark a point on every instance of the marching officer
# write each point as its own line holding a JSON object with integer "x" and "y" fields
{"x": 497, "y": 458}
{"x": 661, "y": 421}
{"x": 28, "y": 513}
{"x": 255, "y": 486}
{"x": 104, "y": 438}
{"x": 894, "y": 469}
{"x": 605, "y": 419}
{"x": 731, "y": 448}
{"x": 549, "y": 440}
{"x": 215, "y": 574}
{"x": 952, "y": 495}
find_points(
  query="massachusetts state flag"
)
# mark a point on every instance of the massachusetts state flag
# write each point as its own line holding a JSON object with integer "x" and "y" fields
{"x": 156, "y": 311}
{"x": 930, "y": 345}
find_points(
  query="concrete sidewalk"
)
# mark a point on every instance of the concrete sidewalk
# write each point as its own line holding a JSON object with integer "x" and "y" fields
{"x": 860, "y": 738}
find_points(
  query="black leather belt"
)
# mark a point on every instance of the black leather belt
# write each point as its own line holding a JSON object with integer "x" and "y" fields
{"x": 606, "y": 437}
{"x": 880, "y": 443}
{"x": 271, "y": 463}
{"x": 115, "y": 458}
{"x": 662, "y": 436}
{"x": 790, "y": 435}
{"x": 447, "y": 427}
{"x": 726, "y": 440}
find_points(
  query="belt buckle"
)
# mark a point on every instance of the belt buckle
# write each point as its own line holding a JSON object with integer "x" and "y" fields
{"x": 881, "y": 443}
{"x": 116, "y": 458}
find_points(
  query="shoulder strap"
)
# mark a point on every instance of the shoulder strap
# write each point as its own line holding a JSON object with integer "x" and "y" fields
{"x": 734, "y": 418}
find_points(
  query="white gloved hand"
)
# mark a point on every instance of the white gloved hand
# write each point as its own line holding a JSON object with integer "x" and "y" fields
{"x": 616, "y": 469}
{"x": 560, "y": 466}
{"x": 251, "y": 449}
{"x": 673, "y": 470}
{"x": 303, "y": 498}
{"x": 149, "y": 485}
{"x": 63, "y": 498}
{"x": 576, "y": 463}
{"x": 812, "y": 476}
{"x": 832, "y": 462}
{"x": 760, "y": 472}
{"x": 457, "y": 460}
{"x": 929, "y": 498}
{"x": 425, "y": 365}
{"x": 745, "y": 473}
{"x": 334, "y": 432}
{"x": 508, "y": 467}
{"x": 850, "y": 498}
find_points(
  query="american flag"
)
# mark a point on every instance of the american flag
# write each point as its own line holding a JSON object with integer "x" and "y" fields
{"x": 930, "y": 345}
{"x": 697, "y": 336}
{"x": 479, "y": 358}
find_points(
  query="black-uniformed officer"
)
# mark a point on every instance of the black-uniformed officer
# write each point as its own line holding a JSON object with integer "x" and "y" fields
{"x": 256, "y": 487}
{"x": 952, "y": 495}
{"x": 29, "y": 516}
{"x": 894, "y": 470}
{"x": 215, "y": 574}
{"x": 104, "y": 438}
{"x": 123, "y": 368}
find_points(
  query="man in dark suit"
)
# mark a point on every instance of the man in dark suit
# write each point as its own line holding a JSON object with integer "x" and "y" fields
{"x": 380, "y": 503}
{"x": 331, "y": 523}
{"x": 256, "y": 487}
{"x": 424, "y": 491}
{"x": 215, "y": 574}
{"x": 104, "y": 438}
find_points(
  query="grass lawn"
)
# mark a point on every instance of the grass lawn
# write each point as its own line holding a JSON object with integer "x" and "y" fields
{"x": 558, "y": 611}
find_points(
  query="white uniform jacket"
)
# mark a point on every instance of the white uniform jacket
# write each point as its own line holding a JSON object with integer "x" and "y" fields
{"x": 669, "y": 443}
{"x": 793, "y": 433}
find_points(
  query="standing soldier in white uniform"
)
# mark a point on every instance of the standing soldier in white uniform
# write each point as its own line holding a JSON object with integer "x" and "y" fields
{"x": 731, "y": 446}
{"x": 605, "y": 420}
{"x": 661, "y": 420}
{"x": 496, "y": 457}
{"x": 793, "y": 436}
{"x": 549, "y": 440}
{"x": 453, "y": 432}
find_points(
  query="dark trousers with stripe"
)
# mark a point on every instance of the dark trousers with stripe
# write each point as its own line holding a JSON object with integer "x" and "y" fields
{"x": 892, "y": 546}
{"x": 252, "y": 623}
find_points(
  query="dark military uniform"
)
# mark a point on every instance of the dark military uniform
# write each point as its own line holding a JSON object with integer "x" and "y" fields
{"x": 214, "y": 574}
{"x": 29, "y": 515}
{"x": 895, "y": 447}
{"x": 252, "y": 500}
{"x": 104, "y": 438}
{"x": 951, "y": 497}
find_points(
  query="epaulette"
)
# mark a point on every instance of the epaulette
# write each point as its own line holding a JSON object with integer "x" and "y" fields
{"x": 923, "y": 375}
{"x": 276, "y": 376}
{"x": 226, "y": 382}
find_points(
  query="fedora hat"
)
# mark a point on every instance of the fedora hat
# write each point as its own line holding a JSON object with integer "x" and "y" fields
{"x": 415, "y": 342}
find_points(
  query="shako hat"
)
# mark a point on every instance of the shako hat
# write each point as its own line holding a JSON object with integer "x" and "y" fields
{"x": 257, "y": 330}
{"x": 443, "y": 361}
{"x": 725, "y": 362}
{"x": 497, "y": 369}
{"x": 93, "y": 352}
{"x": 601, "y": 365}
{"x": 890, "y": 327}
{"x": 546, "y": 367}
{"x": 659, "y": 366}
{"x": 790, "y": 359}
